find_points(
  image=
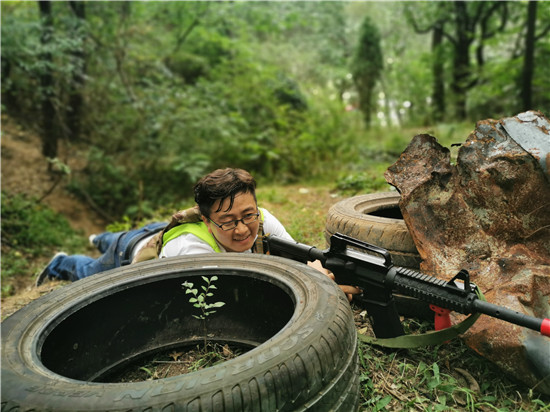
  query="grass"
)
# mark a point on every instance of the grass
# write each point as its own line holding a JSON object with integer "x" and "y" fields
{"x": 442, "y": 378}
{"x": 448, "y": 377}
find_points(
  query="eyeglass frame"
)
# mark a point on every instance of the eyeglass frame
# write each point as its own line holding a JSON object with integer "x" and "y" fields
{"x": 236, "y": 222}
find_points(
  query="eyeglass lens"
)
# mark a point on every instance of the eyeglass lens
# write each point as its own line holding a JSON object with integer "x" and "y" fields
{"x": 246, "y": 220}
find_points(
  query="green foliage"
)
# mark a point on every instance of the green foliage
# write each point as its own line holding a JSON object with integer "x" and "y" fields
{"x": 57, "y": 165}
{"x": 199, "y": 300}
{"x": 32, "y": 227}
{"x": 31, "y": 230}
{"x": 14, "y": 263}
{"x": 110, "y": 184}
{"x": 363, "y": 182}
{"x": 122, "y": 225}
{"x": 367, "y": 61}
{"x": 366, "y": 66}
{"x": 449, "y": 377}
{"x": 25, "y": 58}
{"x": 189, "y": 67}
{"x": 172, "y": 90}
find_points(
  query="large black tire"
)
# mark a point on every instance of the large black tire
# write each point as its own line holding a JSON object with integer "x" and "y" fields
{"x": 376, "y": 219}
{"x": 59, "y": 351}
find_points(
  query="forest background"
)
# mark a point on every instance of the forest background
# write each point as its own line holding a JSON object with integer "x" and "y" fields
{"x": 159, "y": 93}
{"x": 130, "y": 102}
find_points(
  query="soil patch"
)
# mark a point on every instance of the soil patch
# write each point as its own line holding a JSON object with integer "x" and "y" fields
{"x": 177, "y": 362}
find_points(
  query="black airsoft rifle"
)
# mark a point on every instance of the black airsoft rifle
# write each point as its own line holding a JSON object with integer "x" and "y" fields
{"x": 370, "y": 267}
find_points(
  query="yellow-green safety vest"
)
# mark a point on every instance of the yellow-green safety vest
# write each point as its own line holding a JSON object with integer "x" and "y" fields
{"x": 199, "y": 229}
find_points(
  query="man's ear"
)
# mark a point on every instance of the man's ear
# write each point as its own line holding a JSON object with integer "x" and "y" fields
{"x": 207, "y": 223}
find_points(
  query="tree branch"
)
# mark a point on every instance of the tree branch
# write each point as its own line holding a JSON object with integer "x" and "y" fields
{"x": 486, "y": 33}
{"x": 183, "y": 36}
{"x": 410, "y": 17}
{"x": 543, "y": 33}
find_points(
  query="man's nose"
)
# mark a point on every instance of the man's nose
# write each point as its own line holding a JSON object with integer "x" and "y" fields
{"x": 241, "y": 227}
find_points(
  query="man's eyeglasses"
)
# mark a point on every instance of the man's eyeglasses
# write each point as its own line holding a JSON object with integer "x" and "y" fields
{"x": 246, "y": 220}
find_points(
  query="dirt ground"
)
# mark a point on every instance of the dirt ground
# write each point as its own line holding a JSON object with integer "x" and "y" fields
{"x": 25, "y": 170}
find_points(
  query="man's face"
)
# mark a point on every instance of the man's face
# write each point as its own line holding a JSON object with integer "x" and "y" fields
{"x": 242, "y": 237}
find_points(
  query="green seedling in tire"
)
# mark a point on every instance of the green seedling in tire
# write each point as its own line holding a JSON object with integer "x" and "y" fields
{"x": 200, "y": 300}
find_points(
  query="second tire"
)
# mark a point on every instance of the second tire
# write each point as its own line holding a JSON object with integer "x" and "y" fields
{"x": 376, "y": 219}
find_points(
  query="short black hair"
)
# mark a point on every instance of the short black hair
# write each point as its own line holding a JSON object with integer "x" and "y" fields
{"x": 222, "y": 184}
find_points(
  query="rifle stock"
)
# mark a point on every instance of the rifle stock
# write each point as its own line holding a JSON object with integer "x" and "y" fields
{"x": 369, "y": 267}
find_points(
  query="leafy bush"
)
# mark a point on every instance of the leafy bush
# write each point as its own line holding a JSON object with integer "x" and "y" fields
{"x": 363, "y": 182}
{"x": 31, "y": 230}
{"x": 32, "y": 227}
{"x": 107, "y": 182}
{"x": 25, "y": 59}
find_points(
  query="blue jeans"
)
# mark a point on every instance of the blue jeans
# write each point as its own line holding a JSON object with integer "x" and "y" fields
{"x": 115, "y": 249}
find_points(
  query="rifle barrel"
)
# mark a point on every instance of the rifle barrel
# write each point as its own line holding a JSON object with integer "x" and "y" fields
{"x": 294, "y": 250}
{"x": 499, "y": 312}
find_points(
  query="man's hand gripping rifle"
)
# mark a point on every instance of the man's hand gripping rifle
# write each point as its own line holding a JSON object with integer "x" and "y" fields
{"x": 369, "y": 267}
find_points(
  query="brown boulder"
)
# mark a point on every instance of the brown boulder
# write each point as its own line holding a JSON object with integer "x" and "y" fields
{"x": 489, "y": 214}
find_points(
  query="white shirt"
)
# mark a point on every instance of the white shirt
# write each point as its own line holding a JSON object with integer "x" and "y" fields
{"x": 189, "y": 244}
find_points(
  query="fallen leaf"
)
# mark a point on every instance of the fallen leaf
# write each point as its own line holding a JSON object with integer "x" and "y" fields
{"x": 472, "y": 383}
{"x": 226, "y": 351}
{"x": 175, "y": 355}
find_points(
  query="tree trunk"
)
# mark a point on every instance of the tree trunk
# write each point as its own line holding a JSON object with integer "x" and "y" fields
{"x": 76, "y": 100}
{"x": 49, "y": 132}
{"x": 461, "y": 61}
{"x": 529, "y": 57}
{"x": 438, "y": 93}
{"x": 9, "y": 95}
{"x": 366, "y": 101}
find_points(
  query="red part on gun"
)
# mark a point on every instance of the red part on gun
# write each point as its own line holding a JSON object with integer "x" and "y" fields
{"x": 442, "y": 320}
{"x": 545, "y": 327}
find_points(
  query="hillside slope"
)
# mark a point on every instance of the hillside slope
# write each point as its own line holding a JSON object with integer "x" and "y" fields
{"x": 25, "y": 170}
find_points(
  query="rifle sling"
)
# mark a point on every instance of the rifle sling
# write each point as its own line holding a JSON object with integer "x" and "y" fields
{"x": 425, "y": 339}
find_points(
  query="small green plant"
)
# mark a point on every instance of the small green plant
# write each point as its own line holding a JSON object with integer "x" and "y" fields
{"x": 200, "y": 300}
